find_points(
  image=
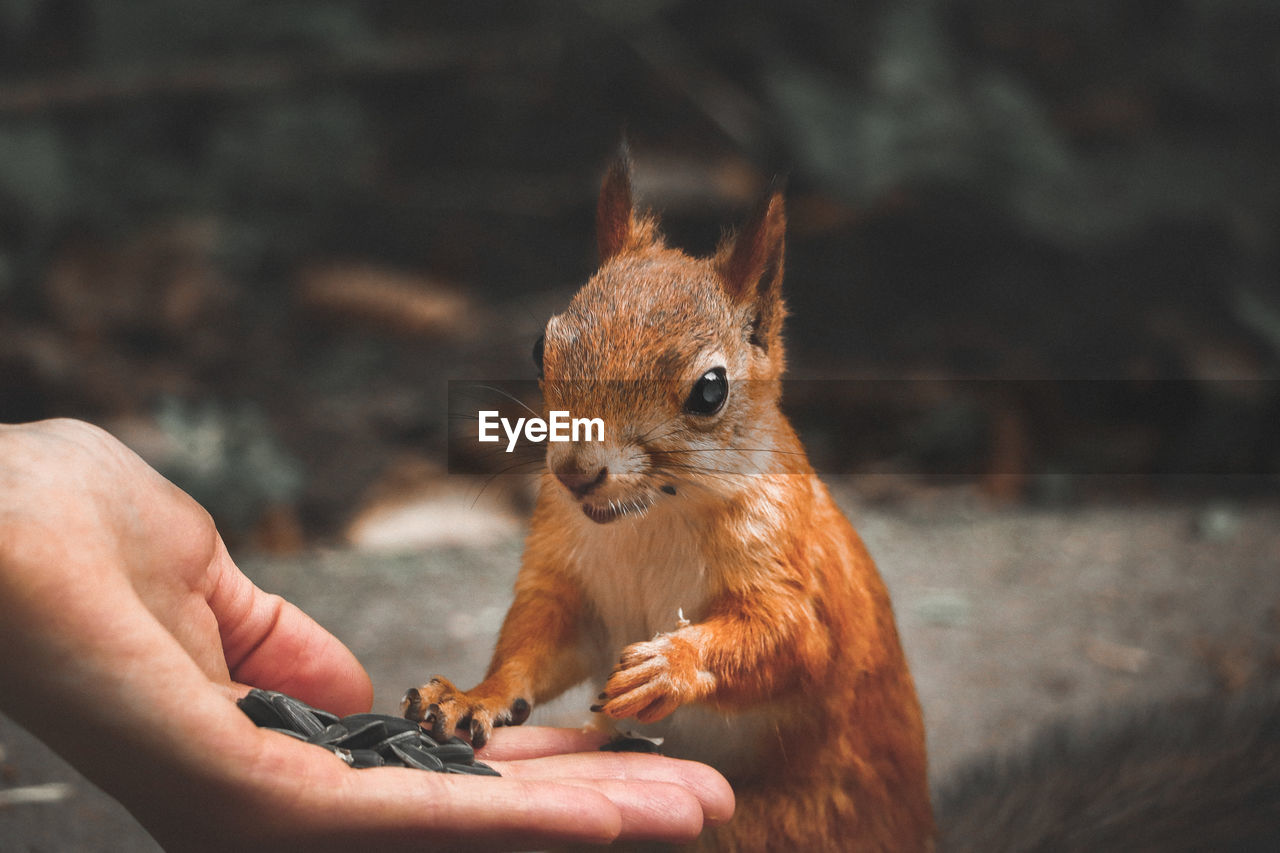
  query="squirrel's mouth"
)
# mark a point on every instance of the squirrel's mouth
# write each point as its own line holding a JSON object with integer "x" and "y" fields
{"x": 616, "y": 509}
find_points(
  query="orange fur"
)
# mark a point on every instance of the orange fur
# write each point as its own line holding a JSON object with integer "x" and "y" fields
{"x": 694, "y": 565}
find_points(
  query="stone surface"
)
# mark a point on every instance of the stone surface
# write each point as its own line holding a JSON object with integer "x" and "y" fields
{"x": 1010, "y": 617}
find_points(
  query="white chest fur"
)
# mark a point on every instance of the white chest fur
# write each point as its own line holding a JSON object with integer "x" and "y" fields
{"x": 641, "y": 577}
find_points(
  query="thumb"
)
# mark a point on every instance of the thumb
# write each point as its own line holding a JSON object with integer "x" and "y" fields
{"x": 270, "y": 643}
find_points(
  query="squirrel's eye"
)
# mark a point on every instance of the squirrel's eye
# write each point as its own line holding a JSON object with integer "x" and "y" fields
{"x": 709, "y": 393}
{"x": 537, "y": 352}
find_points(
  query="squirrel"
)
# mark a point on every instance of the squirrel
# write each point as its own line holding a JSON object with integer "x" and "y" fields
{"x": 1175, "y": 775}
{"x": 693, "y": 564}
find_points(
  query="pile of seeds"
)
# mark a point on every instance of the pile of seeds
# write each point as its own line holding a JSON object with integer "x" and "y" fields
{"x": 362, "y": 740}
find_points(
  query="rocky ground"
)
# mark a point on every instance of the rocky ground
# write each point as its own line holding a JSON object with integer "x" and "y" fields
{"x": 1011, "y": 617}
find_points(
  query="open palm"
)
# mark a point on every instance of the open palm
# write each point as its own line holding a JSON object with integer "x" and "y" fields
{"x": 126, "y": 632}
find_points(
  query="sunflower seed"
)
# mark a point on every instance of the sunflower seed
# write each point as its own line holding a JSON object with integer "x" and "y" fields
{"x": 384, "y": 746}
{"x": 364, "y": 734}
{"x": 363, "y": 740}
{"x": 259, "y": 708}
{"x": 296, "y": 715}
{"x": 454, "y": 752}
{"x": 631, "y": 744}
{"x": 361, "y": 758}
{"x": 326, "y": 718}
{"x": 416, "y": 756}
{"x": 476, "y": 769}
{"x": 290, "y": 732}
{"x": 393, "y": 725}
{"x": 332, "y": 735}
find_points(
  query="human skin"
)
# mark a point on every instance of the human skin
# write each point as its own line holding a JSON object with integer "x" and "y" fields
{"x": 126, "y": 632}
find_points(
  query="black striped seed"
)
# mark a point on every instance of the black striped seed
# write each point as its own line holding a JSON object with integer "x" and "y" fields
{"x": 476, "y": 769}
{"x": 331, "y": 736}
{"x": 367, "y": 740}
{"x": 296, "y": 715}
{"x": 630, "y": 744}
{"x": 416, "y": 756}
{"x": 454, "y": 753}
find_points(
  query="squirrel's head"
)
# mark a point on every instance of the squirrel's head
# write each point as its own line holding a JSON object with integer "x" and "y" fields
{"x": 680, "y": 358}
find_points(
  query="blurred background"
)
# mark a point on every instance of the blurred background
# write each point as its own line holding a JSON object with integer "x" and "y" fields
{"x": 1032, "y": 269}
{"x": 260, "y": 237}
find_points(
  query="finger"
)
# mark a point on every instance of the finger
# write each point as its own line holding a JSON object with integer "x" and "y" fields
{"x": 528, "y": 815}
{"x": 705, "y": 784}
{"x": 394, "y": 808}
{"x": 510, "y": 744}
{"x": 538, "y": 803}
{"x": 651, "y": 811}
{"x": 270, "y": 643}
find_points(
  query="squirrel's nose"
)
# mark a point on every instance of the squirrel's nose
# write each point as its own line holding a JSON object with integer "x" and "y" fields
{"x": 580, "y": 483}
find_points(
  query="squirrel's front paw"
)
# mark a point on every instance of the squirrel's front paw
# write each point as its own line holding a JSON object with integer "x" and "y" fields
{"x": 653, "y": 679}
{"x": 446, "y": 708}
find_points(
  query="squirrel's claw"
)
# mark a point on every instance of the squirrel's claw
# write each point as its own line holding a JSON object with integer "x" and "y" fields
{"x": 445, "y": 708}
{"x": 651, "y": 680}
{"x": 647, "y": 703}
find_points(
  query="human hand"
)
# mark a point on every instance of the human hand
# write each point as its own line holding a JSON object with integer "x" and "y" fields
{"x": 126, "y": 631}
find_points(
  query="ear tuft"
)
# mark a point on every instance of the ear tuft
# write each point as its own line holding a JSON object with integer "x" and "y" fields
{"x": 615, "y": 215}
{"x": 752, "y": 269}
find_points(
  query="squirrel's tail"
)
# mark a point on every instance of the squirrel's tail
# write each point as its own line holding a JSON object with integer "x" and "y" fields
{"x": 1188, "y": 775}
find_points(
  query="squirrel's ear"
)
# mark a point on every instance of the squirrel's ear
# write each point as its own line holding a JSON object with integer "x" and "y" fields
{"x": 752, "y": 269}
{"x": 615, "y": 216}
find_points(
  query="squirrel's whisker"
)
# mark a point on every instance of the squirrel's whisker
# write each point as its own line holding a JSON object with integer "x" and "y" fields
{"x": 510, "y": 397}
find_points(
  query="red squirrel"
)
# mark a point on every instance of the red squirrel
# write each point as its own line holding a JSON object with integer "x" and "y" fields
{"x": 693, "y": 565}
